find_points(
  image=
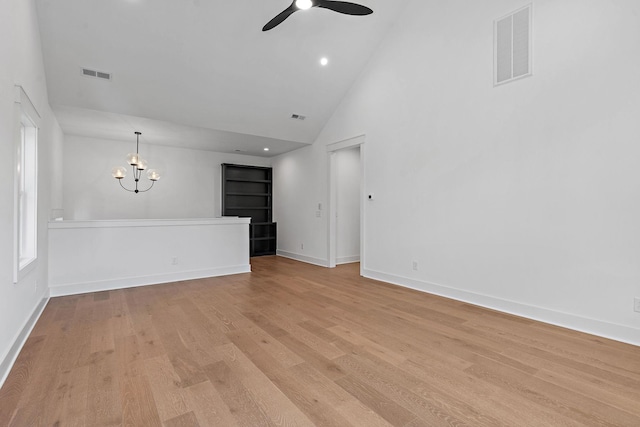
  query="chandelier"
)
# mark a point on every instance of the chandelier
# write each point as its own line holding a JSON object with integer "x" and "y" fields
{"x": 138, "y": 164}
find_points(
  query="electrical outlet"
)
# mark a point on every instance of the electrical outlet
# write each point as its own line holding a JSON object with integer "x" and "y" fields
{"x": 174, "y": 260}
{"x": 318, "y": 214}
{"x": 636, "y": 304}
{"x": 415, "y": 265}
{"x": 301, "y": 245}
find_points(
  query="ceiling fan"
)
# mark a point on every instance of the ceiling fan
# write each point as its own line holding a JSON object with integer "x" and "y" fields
{"x": 337, "y": 6}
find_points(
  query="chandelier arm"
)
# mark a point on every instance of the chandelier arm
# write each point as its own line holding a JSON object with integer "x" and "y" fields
{"x": 150, "y": 187}
{"x": 120, "y": 181}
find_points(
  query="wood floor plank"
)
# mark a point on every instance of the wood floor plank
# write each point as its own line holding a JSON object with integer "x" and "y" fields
{"x": 319, "y": 346}
{"x": 102, "y": 336}
{"x": 263, "y": 360}
{"x": 66, "y": 308}
{"x": 468, "y": 398}
{"x": 381, "y": 351}
{"x": 166, "y": 387}
{"x": 138, "y": 405}
{"x": 182, "y": 360}
{"x": 104, "y": 401}
{"x": 78, "y": 342}
{"x": 273, "y": 347}
{"x": 357, "y": 414}
{"x": 323, "y": 365}
{"x": 397, "y": 384}
{"x": 185, "y": 420}
{"x": 378, "y": 402}
{"x": 121, "y": 322}
{"x": 68, "y": 403}
{"x": 313, "y": 403}
{"x": 267, "y": 396}
{"x": 568, "y": 403}
{"x": 21, "y": 375}
{"x": 239, "y": 400}
{"x": 266, "y": 324}
{"x": 208, "y": 406}
{"x": 150, "y": 343}
{"x": 47, "y": 373}
{"x": 295, "y": 344}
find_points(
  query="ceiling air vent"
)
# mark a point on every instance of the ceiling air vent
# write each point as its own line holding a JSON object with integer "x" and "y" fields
{"x": 512, "y": 46}
{"x": 298, "y": 117}
{"x": 97, "y": 74}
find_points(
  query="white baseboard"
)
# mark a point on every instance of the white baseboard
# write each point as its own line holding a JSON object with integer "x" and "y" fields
{"x": 612, "y": 331}
{"x": 347, "y": 259}
{"x": 130, "y": 282}
{"x": 303, "y": 258}
{"x": 10, "y": 358}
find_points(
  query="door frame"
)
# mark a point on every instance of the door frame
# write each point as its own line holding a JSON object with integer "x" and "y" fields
{"x": 357, "y": 141}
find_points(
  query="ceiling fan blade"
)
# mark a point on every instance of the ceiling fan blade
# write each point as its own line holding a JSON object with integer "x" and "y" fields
{"x": 345, "y": 7}
{"x": 280, "y": 17}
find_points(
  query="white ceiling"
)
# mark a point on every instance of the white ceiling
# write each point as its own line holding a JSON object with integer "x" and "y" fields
{"x": 202, "y": 73}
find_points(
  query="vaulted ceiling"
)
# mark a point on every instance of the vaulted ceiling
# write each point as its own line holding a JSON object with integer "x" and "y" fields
{"x": 202, "y": 73}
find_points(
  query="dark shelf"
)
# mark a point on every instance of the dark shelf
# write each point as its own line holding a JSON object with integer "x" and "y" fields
{"x": 249, "y": 194}
{"x": 252, "y": 186}
{"x": 261, "y": 181}
{"x": 240, "y": 208}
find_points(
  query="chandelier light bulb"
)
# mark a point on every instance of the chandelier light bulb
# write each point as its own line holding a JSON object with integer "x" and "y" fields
{"x": 119, "y": 173}
{"x": 133, "y": 158}
{"x": 304, "y": 4}
{"x": 153, "y": 174}
{"x": 142, "y": 164}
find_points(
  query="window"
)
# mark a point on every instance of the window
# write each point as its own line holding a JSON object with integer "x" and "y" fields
{"x": 26, "y": 183}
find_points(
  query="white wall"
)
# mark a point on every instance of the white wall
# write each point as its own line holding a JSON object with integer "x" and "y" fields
{"x": 347, "y": 167}
{"x": 21, "y": 64}
{"x": 300, "y": 183}
{"x": 189, "y": 188}
{"x": 91, "y": 256}
{"x": 524, "y": 197}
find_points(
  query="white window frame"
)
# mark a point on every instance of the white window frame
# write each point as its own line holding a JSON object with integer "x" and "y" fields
{"x": 25, "y": 230}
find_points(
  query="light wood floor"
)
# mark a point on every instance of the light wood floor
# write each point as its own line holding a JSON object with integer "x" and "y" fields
{"x": 292, "y": 345}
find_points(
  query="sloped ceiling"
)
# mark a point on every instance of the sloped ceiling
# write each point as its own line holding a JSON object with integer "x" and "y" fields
{"x": 203, "y": 74}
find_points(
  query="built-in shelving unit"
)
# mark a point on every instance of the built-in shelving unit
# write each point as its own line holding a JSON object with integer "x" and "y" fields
{"x": 247, "y": 192}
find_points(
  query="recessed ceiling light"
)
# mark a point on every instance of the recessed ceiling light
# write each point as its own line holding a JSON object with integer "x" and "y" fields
{"x": 324, "y": 61}
{"x": 266, "y": 149}
{"x": 303, "y": 4}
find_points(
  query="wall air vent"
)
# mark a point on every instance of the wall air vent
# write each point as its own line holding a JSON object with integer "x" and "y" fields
{"x": 87, "y": 72}
{"x": 512, "y": 46}
{"x": 298, "y": 117}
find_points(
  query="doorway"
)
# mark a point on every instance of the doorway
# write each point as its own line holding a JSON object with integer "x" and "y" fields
{"x": 346, "y": 208}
